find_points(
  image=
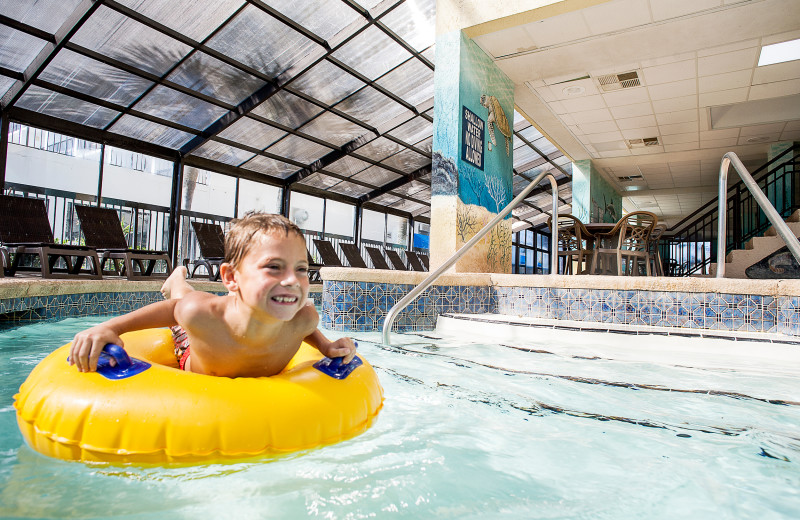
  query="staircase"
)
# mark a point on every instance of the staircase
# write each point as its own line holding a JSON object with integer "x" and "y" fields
{"x": 742, "y": 263}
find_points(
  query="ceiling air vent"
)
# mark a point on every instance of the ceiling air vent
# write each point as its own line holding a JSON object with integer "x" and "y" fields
{"x": 630, "y": 178}
{"x": 611, "y": 82}
{"x": 641, "y": 143}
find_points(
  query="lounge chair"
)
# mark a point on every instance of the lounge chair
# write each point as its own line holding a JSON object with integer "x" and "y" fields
{"x": 211, "y": 240}
{"x": 25, "y": 231}
{"x": 313, "y": 269}
{"x": 425, "y": 261}
{"x": 102, "y": 230}
{"x": 395, "y": 259}
{"x": 377, "y": 258}
{"x": 414, "y": 262}
{"x": 353, "y": 255}
{"x": 328, "y": 254}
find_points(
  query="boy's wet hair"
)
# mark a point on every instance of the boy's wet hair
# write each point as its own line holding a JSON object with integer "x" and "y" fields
{"x": 244, "y": 231}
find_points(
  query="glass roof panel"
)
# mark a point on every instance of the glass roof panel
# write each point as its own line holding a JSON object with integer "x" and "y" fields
{"x": 61, "y": 106}
{"x": 287, "y": 109}
{"x": 410, "y": 188}
{"x": 171, "y": 105}
{"x": 320, "y": 180}
{"x": 376, "y": 176}
{"x": 426, "y": 145}
{"x": 413, "y": 131}
{"x": 407, "y": 205}
{"x": 386, "y": 199}
{"x": 327, "y": 83}
{"x": 407, "y": 161}
{"x": 223, "y": 153}
{"x": 371, "y": 107}
{"x": 530, "y": 133}
{"x": 298, "y": 149}
{"x": 430, "y": 54}
{"x": 372, "y": 53}
{"x": 269, "y": 166}
{"x": 379, "y": 148}
{"x": 350, "y": 189}
{"x": 208, "y": 75}
{"x": 545, "y": 146}
{"x": 333, "y": 129}
{"x": 83, "y": 74}
{"x": 252, "y": 133}
{"x": 412, "y": 81}
{"x": 262, "y": 42}
{"x": 374, "y": 7}
{"x": 189, "y": 17}
{"x": 322, "y": 17}
{"x": 5, "y": 84}
{"x": 150, "y": 132}
{"x": 415, "y": 22}
{"x": 18, "y": 49}
{"x": 117, "y": 36}
{"x": 347, "y": 166}
{"x": 46, "y": 15}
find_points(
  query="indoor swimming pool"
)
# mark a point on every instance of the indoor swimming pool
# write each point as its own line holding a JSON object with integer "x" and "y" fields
{"x": 469, "y": 429}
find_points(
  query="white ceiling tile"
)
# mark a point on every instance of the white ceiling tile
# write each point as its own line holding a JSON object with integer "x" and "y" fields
{"x": 640, "y": 133}
{"x": 782, "y": 37}
{"x": 603, "y": 137}
{"x": 668, "y": 59}
{"x": 777, "y": 72}
{"x": 790, "y": 135}
{"x": 777, "y": 89}
{"x": 592, "y": 116}
{"x": 562, "y": 90}
{"x": 575, "y": 129}
{"x": 616, "y": 15}
{"x": 674, "y": 89}
{"x": 584, "y": 103}
{"x": 727, "y": 81}
{"x": 647, "y": 150}
{"x": 770, "y": 138}
{"x": 655, "y": 168}
{"x": 500, "y": 43}
{"x": 682, "y": 147}
{"x": 627, "y": 96}
{"x": 568, "y": 119}
{"x": 546, "y": 94}
{"x": 677, "y": 117}
{"x": 600, "y": 127}
{"x": 723, "y": 97}
{"x": 728, "y": 62}
{"x": 792, "y": 125}
{"x": 664, "y": 9}
{"x": 630, "y": 123}
{"x": 679, "y": 128}
{"x": 557, "y": 107}
{"x": 669, "y": 73}
{"x": 639, "y": 109}
{"x": 611, "y": 155}
{"x": 675, "y": 104}
{"x": 718, "y": 143}
{"x": 550, "y": 31}
{"x": 690, "y": 137}
{"x": 722, "y": 49}
{"x": 536, "y": 83}
{"x": 773, "y": 128}
{"x": 720, "y": 134}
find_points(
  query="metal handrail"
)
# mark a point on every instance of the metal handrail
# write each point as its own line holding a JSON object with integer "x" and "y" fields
{"x": 416, "y": 291}
{"x": 766, "y": 206}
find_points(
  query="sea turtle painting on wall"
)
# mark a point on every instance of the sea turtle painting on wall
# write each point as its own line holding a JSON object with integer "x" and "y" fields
{"x": 780, "y": 264}
{"x": 497, "y": 118}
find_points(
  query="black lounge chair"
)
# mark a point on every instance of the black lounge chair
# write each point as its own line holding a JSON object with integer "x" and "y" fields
{"x": 377, "y": 258}
{"x": 328, "y": 254}
{"x": 211, "y": 240}
{"x": 102, "y": 230}
{"x": 425, "y": 261}
{"x": 414, "y": 262}
{"x": 395, "y": 259}
{"x": 25, "y": 231}
{"x": 353, "y": 255}
{"x": 313, "y": 269}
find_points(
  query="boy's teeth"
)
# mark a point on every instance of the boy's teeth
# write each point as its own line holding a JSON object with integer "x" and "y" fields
{"x": 285, "y": 299}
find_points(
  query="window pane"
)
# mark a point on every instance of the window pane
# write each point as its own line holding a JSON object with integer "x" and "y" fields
{"x": 372, "y": 53}
{"x": 194, "y": 19}
{"x": 255, "y": 196}
{"x": 45, "y": 15}
{"x": 17, "y": 49}
{"x": 333, "y": 129}
{"x": 155, "y": 133}
{"x": 415, "y": 22}
{"x": 61, "y": 106}
{"x": 131, "y": 176}
{"x": 208, "y": 75}
{"x": 396, "y": 230}
{"x": 322, "y": 17}
{"x": 252, "y": 133}
{"x": 327, "y": 83}
{"x": 287, "y": 109}
{"x": 177, "y": 107}
{"x": 223, "y": 153}
{"x": 373, "y": 225}
{"x": 306, "y": 211}
{"x": 208, "y": 192}
{"x": 339, "y": 218}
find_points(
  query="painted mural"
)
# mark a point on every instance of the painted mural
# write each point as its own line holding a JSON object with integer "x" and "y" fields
{"x": 593, "y": 198}
{"x": 473, "y": 153}
{"x": 780, "y": 264}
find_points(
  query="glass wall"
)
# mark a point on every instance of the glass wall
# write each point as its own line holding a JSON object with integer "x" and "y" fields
{"x": 255, "y": 196}
{"x": 531, "y": 250}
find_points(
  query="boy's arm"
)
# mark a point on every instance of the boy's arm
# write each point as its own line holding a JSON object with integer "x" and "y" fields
{"x": 87, "y": 345}
{"x": 342, "y": 347}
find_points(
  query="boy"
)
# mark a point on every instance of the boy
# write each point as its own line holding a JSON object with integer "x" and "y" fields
{"x": 252, "y": 331}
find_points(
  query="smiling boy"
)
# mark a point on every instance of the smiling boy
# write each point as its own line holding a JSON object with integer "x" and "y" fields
{"x": 252, "y": 331}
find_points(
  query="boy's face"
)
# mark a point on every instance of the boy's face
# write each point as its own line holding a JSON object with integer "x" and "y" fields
{"x": 273, "y": 275}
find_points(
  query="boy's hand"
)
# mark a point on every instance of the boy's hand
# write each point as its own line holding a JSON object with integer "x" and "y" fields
{"x": 87, "y": 346}
{"x": 342, "y": 347}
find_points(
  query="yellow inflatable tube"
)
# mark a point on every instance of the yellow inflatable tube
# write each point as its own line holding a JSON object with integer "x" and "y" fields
{"x": 166, "y": 415}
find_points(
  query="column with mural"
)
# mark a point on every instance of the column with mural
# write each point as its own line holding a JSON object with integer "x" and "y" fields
{"x": 593, "y": 198}
{"x": 472, "y": 155}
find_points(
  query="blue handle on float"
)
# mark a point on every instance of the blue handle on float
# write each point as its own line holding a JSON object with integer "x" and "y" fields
{"x": 335, "y": 368}
{"x": 126, "y": 366}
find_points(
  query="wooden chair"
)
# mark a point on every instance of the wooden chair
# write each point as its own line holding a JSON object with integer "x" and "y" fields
{"x": 575, "y": 243}
{"x": 414, "y": 262}
{"x": 657, "y": 265}
{"x": 328, "y": 253}
{"x": 395, "y": 259}
{"x": 25, "y": 232}
{"x": 102, "y": 230}
{"x": 377, "y": 258}
{"x": 353, "y": 255}
{"x": 211, "y": 240}
{"x": 625, "y": 245}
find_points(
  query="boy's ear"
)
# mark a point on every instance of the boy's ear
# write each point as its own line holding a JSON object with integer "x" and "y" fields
{"x": 226, "y": 275}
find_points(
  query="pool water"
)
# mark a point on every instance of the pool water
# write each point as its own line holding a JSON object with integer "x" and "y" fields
{"x": 468, "y": 430}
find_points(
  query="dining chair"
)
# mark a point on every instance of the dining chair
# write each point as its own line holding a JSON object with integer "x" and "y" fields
{"x": 575, "y": 243}
{"x": 625, "y": 246}
{"x": 656, "y": 264}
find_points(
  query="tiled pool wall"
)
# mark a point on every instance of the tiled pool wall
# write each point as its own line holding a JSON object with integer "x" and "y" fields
{"x": 362, "y": 306}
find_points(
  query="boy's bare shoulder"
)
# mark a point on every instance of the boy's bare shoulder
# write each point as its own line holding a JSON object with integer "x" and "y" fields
{"x": 306, "y": 319}
{"x": 198, "y": 305}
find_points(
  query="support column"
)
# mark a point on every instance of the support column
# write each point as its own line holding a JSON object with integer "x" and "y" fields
{"x": 472, "y": 156}
{"x": 593, "y": 198}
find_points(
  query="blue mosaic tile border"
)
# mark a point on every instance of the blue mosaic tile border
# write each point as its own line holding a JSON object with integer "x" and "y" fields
{"x": 56, "y": 307}
{"x": 362, "y": 306}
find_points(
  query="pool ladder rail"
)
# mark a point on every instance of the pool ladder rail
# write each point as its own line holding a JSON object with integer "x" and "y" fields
{"x": 427, "y": 282}
{"x": 766, "y": 206}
